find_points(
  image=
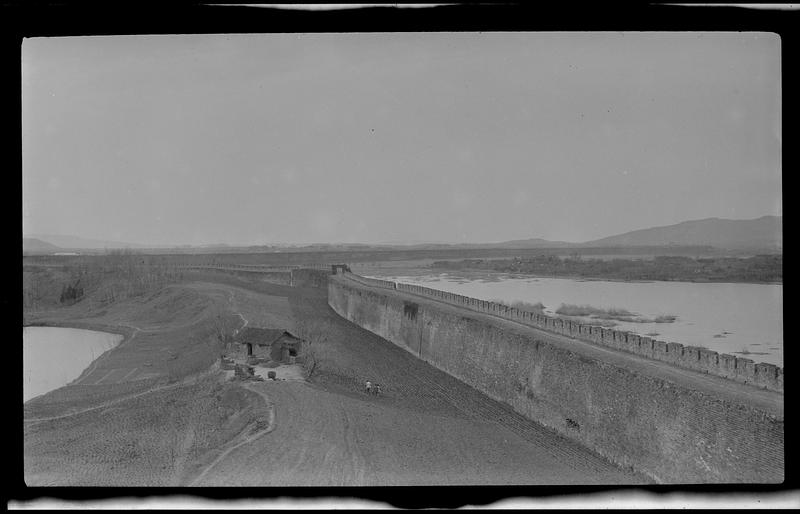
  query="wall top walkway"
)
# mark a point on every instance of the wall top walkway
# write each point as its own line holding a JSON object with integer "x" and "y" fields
{"x": 767, "y": 376}
{"x": 266, "y": 268}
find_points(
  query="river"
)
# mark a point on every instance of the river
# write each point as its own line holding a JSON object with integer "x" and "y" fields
{"x": 739, "y": 319}
{"x": 52, "y": 357}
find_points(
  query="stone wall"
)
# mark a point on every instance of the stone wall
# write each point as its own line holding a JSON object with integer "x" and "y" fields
{"x": 311, "y": 275}
{"x": 306, "y": 277}
{"x": 740, "y": 369}
{"x": 669, "y": 432}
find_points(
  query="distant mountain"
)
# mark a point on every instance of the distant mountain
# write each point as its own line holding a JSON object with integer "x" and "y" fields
{"x": 82, "y": 243}
{"x": 764, "y": 233}
{"x": 760, "y": 233}
{"x": 33, "y": 245}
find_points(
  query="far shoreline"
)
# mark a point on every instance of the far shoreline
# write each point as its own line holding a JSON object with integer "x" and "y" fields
{"x": 581, "y": 278}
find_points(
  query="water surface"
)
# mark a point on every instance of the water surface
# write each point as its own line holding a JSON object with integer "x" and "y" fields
{"x": 52, "y": 357}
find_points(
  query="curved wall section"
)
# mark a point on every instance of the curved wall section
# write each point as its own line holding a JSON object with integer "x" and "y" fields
{"x": 669, "y": 432}
{"x": 740, "y": 369}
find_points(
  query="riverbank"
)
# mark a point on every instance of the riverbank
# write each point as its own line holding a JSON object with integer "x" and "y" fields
{"x": 760, "y": 269}
{"x": 582, "y": 278}
{"x": 386, "y": 273}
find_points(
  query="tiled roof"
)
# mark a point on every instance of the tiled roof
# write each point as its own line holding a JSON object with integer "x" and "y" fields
{"x": 258, "y": 335}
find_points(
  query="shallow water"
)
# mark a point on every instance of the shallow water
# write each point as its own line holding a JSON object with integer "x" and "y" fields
{"x": 724, "y": 317}
{"x": 52, "y": 357}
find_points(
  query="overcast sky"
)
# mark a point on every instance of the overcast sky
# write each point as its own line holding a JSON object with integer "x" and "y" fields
{"x": 461, "y": 137}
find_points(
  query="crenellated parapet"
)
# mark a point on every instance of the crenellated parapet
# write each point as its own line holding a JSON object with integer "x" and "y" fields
{"x": 673, "y": 425}
{"x": 764, "y": 375}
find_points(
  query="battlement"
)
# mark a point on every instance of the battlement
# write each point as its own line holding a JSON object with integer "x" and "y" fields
{"x": 767, "y": 376}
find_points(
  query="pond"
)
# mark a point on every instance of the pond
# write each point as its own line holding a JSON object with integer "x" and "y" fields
{"x": 52, "y": 357}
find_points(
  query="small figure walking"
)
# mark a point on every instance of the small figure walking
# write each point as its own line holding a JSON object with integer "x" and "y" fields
{"x": 369, "y": 387}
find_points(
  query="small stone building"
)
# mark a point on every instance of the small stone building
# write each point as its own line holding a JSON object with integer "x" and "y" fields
{"x": 286, "y": 348}
{"x": 267, "y": 344}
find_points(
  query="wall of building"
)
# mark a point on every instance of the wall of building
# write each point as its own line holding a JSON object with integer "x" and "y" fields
{"x": 670, "y": 433}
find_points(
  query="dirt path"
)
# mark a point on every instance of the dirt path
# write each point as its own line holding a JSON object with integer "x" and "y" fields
{"x": 87, "y": 372}
{"x": 322, "y": 438}
{"x": 242, "y": 441}
{"x": 310, "y": 442}
{"x": 182, "y": 451}
{"x": 188, "y": 380}
{"x": 232, "y": 300}
{"x": 264, "y": 306}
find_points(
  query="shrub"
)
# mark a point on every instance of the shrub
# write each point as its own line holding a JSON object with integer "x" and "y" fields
{"x": 578, "y": 310}
{"x": 71, "y": 292}
{"x": 534, "y": 307}
{"x": 665, "y": 318}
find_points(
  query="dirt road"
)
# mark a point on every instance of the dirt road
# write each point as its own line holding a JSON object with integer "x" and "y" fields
{"x": 323, "y": 438}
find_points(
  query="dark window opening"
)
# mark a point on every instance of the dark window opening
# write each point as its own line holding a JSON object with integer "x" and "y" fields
{"x": 292, "y": 353}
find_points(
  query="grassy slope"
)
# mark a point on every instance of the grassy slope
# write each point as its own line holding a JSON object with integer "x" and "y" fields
{"x": 148, "y": 441}
{"x": 145, "y": 409}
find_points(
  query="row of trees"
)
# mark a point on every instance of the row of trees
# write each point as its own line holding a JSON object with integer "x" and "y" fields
{"x": 315, "y": 333}
{"x": 108, "y": 278}
{"x": 122, "y": 274}
{"x": 71, "y": 292}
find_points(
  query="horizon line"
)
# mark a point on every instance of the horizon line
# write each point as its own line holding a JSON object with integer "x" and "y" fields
{"x": 363, "y": 243}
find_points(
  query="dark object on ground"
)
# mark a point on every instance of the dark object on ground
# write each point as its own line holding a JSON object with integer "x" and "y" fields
{"x": 244, "y": 371}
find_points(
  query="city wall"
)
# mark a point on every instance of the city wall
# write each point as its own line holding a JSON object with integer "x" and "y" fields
{"x": 767, "y": 376}
{"x": 298, "y": 276}
{"x": 307, "y": 277}
{"x": 671, "y": 433}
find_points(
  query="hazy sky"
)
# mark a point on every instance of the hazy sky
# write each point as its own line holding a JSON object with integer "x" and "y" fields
{"x": 396, "y": 137}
